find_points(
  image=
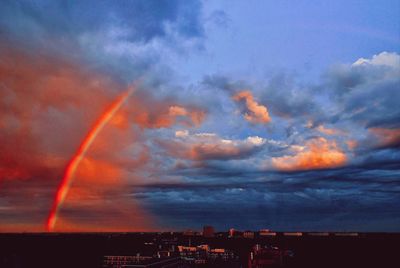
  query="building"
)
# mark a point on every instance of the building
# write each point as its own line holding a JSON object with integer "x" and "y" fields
{"x": 266, "y": 232}
{"x": 208, "y": 231}
{"x": 203, "y": 254}
{"x": 140, "y": 261}
{"x": 204, "y": 247}
{"x": 222, "y": 254}
{"x": 232, "y": 232}
{"x": 293, "y": 234}
{"x": 318, "y": 234}
{"x": 189, "y": 233}
{"x": 235, "y": 233}
{"x": 193, "y": 254}
{"x": 248, "y": 234}
{"x": 346, "y": 234}
{"x": 266, "y": 256}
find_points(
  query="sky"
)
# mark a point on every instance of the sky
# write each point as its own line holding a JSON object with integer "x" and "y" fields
{"x": 171, "y": 115}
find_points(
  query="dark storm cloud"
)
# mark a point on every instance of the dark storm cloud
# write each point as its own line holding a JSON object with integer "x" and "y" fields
{"x": 379, "y": 158}
{"x": 124, "y": 38}
{"x": 294, "y": 203}
{"x": 374, "y": 105}
{"x": 142, "y": 20}
{"x": 286, "y": 98}
{"x": 221, "y": 82}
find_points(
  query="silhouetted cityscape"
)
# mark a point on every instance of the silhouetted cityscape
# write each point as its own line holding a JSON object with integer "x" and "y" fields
{"x": 206, "y": 248}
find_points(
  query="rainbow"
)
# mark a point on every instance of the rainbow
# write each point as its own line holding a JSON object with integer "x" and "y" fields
{"x": 73, "y": 164}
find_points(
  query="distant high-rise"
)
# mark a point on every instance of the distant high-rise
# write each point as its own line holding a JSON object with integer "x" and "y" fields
{"x": 208, "y": 231}
{"x": 231, "y": 232}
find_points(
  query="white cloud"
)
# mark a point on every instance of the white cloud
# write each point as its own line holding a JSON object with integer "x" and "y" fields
{"x": 383, "y": 59}
{"x": 256, "y": 140}
{"x": 181, "y": 133}
{"x": 205, "y": 146}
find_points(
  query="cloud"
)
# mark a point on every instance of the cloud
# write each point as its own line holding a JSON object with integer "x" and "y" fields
{"x": 318, "y": 153}
{"x": 382, "y": 59}
{"x": 181, "y": 133}
{"x": 162, "y": 114}
{"x": 128, "y": 39}
{"x": 351, "y": 144}
{"x": 60, "y": 67}
{"x": 219, "y": 18}
{"x": 140, "y": 21}
{"x": 380, "y": 68}
{"x": 387, "y": 138}
{"x": 295, "y": 104}
{"x": 209, "y": 146}
{"x": 197, "y": 116}
{"x": 47, "y": 107}
{"x": 362, "y": 97}
{"x": 257, "y": 113}
{"x": 223, "y": 83}
{"x": 315, "y": 200}
{"x": 329, "y": 131}
{"x": 286, "y": 97}
{"x": 41, "y": 97}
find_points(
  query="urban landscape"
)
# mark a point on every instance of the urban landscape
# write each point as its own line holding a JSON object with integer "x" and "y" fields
{"x": 203, "y": 248}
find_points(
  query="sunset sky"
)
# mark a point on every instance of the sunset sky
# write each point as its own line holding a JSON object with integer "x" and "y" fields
{"x": 171, "y": 115}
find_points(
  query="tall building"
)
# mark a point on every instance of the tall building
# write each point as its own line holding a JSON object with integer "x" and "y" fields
{"x": 231, "y": 232}
{"x": 235, "y": 233}
{"x": 208, "y": 231}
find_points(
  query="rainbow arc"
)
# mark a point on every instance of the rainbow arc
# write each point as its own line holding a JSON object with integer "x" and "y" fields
{"x": 73, "y": 164}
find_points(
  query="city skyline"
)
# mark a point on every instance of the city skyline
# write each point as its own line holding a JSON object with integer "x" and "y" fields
{"x": 170, "y": 115}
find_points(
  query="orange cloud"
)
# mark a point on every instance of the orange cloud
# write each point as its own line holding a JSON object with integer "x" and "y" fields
{"x": 386, "y": 137}
{"x": 148, "y": 113}
{"x": 317, "y": 153}
{"x": 351, "y": 144}
{"x": 46, "y": 105}
{"x": 177, "y": 111}
{"x": 257, "y": 113}
{"x": 99, "y": 171}
{"x": 196, "y": 116}
{"x": 329, "y": 131}
{"x": 121, "y": 215}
